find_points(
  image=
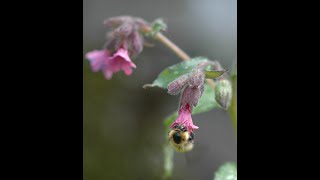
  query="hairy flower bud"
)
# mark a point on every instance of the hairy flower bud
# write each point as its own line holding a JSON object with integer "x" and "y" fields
{"x": 136, "y": 43}
{"x": 114, "y": 22}
{"x": 125, "y": 34}
{"x": 197, "y": 78}
{"x": 124, "y": 30}
{"x": 191, "y": 95}
{"x": 223, "y": 91}
{"x": 178, "y": 84}
{"x": 113, "y": 44}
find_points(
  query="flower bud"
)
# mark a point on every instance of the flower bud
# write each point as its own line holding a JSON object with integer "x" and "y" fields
{"x": 178, "y": 84}
{"x": 124, "y": 30}
{"x": 196, "y": 78}
{"x": 223, "y": 91}
{"x": 136, "y": 43}
{"x": 114, "y": 22}
{"x": 191, "y": 95}
{"x": 113, "y": 44}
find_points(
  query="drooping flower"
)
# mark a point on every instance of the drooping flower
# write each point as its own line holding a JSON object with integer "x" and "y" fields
{"x": 185, "y": 119}
{"x": 124, "y": 41}
{"x": 97, "y": 59}
{"x": 126, "y": 33}
{"x": 109, "y": 64}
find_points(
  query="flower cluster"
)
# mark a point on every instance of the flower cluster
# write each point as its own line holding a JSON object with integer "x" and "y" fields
{"x": 191, "y": 86}
{"x": 123, "y": 42}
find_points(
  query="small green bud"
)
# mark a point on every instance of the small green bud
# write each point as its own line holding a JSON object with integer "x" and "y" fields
{"x": 223, "y": 92}
{"x": 157, "y": 26}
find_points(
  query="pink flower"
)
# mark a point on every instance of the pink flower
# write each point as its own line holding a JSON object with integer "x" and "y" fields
{"x": 102, "y": 60}
{"x": 97, "y": 59}
{"x": 185, "y": 119}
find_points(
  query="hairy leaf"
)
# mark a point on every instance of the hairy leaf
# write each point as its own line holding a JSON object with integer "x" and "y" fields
{"x": 171, "y": 73}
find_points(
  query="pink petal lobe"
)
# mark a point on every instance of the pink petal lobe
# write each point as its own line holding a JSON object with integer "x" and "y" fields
{"x": 185, "y": 119}
{"x": 127, "y": 69}
{"x": 107, "y": 74}
{"x": 97, "y": 58}
{"x": 123, "y": 53}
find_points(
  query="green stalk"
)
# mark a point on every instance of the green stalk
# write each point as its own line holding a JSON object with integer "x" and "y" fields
{"x": 233, "y": 106}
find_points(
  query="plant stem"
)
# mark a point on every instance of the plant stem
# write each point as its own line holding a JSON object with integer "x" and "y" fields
{"x": 160, "y": 37}
{"x": 233, "y": 106}
{"x": 180, "y": 53}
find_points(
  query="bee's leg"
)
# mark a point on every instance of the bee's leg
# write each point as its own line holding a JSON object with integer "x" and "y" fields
{"x": 191, "y": 136}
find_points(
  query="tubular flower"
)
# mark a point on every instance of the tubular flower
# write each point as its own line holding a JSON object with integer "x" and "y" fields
{"x": 102, "y": 60}
{"x": 184, "y": 119}
{"x": 123, "y": 42}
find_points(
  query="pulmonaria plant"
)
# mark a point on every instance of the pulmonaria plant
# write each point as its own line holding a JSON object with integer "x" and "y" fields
{"x": 201, "y": 83}
{"x": 123, "y": 42}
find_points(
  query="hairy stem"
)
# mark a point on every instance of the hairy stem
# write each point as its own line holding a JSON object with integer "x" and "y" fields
{"x": 160, "y": 37}
{"x": 180, "y": 53}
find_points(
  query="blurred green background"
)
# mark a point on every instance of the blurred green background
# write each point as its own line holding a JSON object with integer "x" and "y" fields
{"x": 123, "y": 123}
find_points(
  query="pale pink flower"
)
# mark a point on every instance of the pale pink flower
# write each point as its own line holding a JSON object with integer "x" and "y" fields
{"x": 109, "y": 64}
{"x": 97, "y": 59}
{"x": 184, "y": 119}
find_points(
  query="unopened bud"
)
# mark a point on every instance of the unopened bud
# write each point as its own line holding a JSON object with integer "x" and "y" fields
{"x": 112, "y": 44}
{"x": 196, "y": 78}
{"x": 114, "y": 22}
{"x": 136, "y": 42}
{"x": 178, "y": 84}
{"x": 191, "y": 95}
{"x": 223, "y": 91}
{"x": 124, "y": 30}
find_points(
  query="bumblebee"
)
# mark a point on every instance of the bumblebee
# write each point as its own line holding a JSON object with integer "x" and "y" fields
{"x": 180, "y": 139}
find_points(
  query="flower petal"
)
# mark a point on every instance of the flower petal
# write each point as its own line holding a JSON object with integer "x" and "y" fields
{"x": 123, "y": 53}
{"x": 127, "y": 69}
{"x": 185, "y": 120}
{"x": 107, "y": 74}
{"x": 97, "y": 58}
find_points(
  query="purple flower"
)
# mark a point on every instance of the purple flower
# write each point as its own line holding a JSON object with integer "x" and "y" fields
{"x": 109, "y": 64}
{"x": 185, "y": 119}
{"x": 124, "y": 41}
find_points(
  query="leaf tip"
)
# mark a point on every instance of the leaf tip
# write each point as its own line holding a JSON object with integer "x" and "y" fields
{"x": 147, "y": 86}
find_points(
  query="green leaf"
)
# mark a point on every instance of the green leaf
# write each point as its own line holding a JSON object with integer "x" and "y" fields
{"x": 207, "y": 101}
{"x": 169, "y": 120}
{"x": 214, "y": 74}
{"x": 227, "y": 171}
{"x": 172, "y": 72}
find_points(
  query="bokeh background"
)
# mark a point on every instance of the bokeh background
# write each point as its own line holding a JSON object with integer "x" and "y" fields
{"x": 123, "y": 123}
